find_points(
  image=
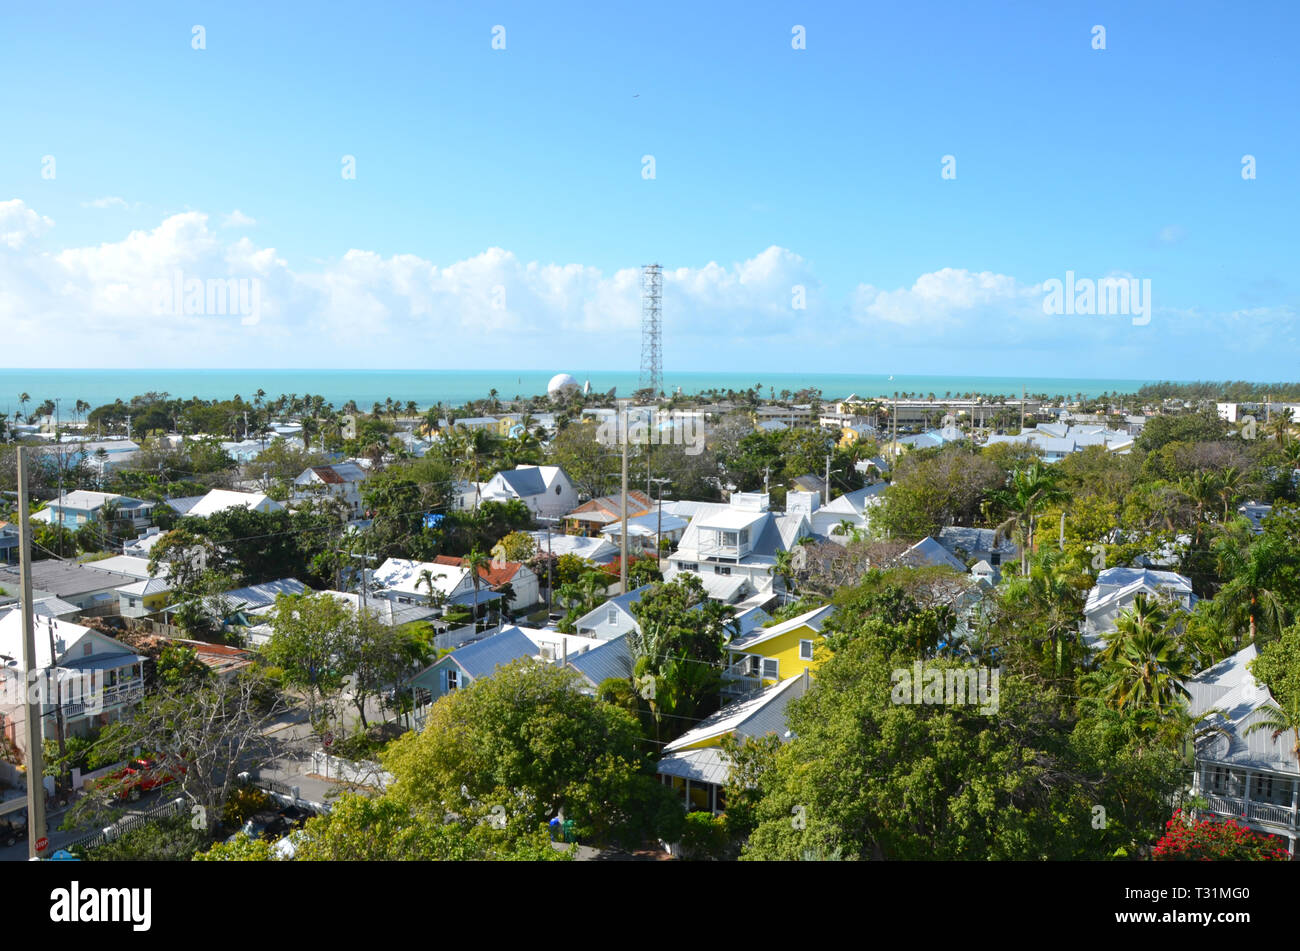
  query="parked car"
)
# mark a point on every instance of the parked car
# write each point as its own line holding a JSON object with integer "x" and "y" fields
{"x": 140, "y": 776}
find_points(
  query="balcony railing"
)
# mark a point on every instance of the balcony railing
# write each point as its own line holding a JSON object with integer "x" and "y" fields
{"x": 1267, "y": 812}
{"x": 123, "y": 693}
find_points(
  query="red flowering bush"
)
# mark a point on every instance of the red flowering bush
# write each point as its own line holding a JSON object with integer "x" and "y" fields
{"x": 1216, "y": 840}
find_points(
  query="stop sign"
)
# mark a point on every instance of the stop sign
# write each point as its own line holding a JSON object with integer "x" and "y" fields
{"x": 42, "y": 844}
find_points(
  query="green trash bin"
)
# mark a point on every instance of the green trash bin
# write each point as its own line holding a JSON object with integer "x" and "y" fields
{"x": 567, "y": 831}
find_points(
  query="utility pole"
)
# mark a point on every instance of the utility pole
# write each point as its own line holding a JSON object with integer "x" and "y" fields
{"x": 57, "y": 688}
{"x": 622, "y": 567}
{"x": 659, "y": 526}
{"x": 1023, "y": 393}
{"x": 32, "y": 725}
{"x": 826, "y": 489}
{"x": 767, "y": 471}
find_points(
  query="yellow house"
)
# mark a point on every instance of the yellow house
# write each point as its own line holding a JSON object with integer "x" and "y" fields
{"x": 768, "y": 655}
{"x": 694, "y": 764}
{"x": 143, "y": 598}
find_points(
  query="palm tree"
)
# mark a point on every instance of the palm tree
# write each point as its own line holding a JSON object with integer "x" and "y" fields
{"x": 1278, "y": 720}
{"x": 783, "y": 568}
{"x": 1249, "y": 591}
{"x": 1028, "y": 491}
{"x": 1280, "y": 425}
{"x": 1201, "y": 489}
{"x": 1147, "y": 672}
{"x": 476, "y": 561}
{"x": 436, "y": 597}
{"x": 1232, "y": 481}
{"x": 1054, "y": 593}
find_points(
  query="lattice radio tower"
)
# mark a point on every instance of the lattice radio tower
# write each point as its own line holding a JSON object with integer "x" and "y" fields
{"x": 652, "y": 370}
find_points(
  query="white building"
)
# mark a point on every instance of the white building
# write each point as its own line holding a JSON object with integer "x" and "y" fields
{"x": 219, "y": 500}
{"x": 732, "y": 547}
{"x": 341, "y": 481}
{"x": 98, "y": 678}
{"x": 546, "y": 490}
{"x": 1114, "y": 593}
{"x": 1253, "y": 776}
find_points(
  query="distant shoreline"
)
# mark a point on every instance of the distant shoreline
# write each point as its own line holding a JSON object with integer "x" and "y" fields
{"x": 457, "y": 387}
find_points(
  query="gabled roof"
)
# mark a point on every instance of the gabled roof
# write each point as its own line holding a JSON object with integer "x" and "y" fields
{"x": 525, "y": 483}
{"x": 637, "y": 502}
{"x": 852, "y": 503}
{"x": 339, "y": 473}
{"x": 762, "y": 713}
{"x": 611, "y": 659}
{"x": 929, "y": 552}
{"x": 815, "y": 619}
{"x": 261, "y": 595}
{"x": 1229, "y": 688}
{"x": 493, "y": 574}
{"x": 482, "y": 658}
{"x": 218, "y": 500}
{"x": 402, "y": 574}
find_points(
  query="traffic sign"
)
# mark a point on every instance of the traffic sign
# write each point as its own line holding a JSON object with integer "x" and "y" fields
{"x": 42, "y": 844}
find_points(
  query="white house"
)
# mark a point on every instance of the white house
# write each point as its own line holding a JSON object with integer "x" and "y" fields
{"x": 342, "y": 481}
{"x": 733, "y": 547}
{"x": 98, "y": 678}
{"x": 403, "y": 580}
{"x": 546, "y": 490}
{"x": 612, "y": 618}
{"x": 1250, "y": 777}
{"x": 218, "y": 500}
{"x": 852, "y": 507}
{"x": 1055, "y": 441}
{"x": 1117, "y": 587}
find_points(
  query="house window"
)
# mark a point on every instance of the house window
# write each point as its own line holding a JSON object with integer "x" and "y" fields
{"x": 754, "y": 661}
{"x": 727, "y": 539}
{"x": 722, "y": 569}
{"x": 771, "y": 668}
{"x": 452, "y": 682}
{"x": 691, "y": 566}
{"x": 1263, "y": 791}
{"x": 611, "y": 616}
{"x": 995, "y": 559}
{"x": 805, "y": 650}
{"x": 557, "y": 490}
{"x": 85, "y": 650}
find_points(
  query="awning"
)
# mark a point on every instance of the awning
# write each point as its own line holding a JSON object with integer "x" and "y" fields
{"x": 702, "y": 766}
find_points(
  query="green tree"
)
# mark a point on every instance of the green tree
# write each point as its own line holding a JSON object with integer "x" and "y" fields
{"x": 1028, "y": 491}
{"x": 310, "y": 634}
{"x": 526, "y": 740}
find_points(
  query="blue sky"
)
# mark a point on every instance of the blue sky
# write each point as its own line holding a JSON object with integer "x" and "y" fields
{"x": 521, "y": 169}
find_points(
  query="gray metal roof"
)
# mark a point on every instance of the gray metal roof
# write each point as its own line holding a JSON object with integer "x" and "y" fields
{"x": 482, "y": 658}
{"x": 65, "y": 579}
{"x": 707, "y": 765}
{"x": 611, "y": 659}
{"x": 524, "y": 482}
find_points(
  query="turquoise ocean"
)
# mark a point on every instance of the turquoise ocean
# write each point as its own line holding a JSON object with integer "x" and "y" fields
{"x": 455, "y": 387}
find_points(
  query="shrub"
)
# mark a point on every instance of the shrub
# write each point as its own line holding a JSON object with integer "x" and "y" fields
{"x": 244, "y": 802}
{"x": 1216, "y": 840}
{"x": 705, "y": 837}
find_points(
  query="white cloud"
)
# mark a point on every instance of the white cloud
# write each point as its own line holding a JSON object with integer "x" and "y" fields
{"x": 237, "y": 219}
{"x": 1172, "y": 234}
{"x": 109, "y": 201}
{"x": 100, "y": 305}
{"x": 18, "y": 223}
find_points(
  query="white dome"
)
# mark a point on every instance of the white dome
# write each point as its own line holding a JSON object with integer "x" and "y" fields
{"x": 561, "y": 383}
